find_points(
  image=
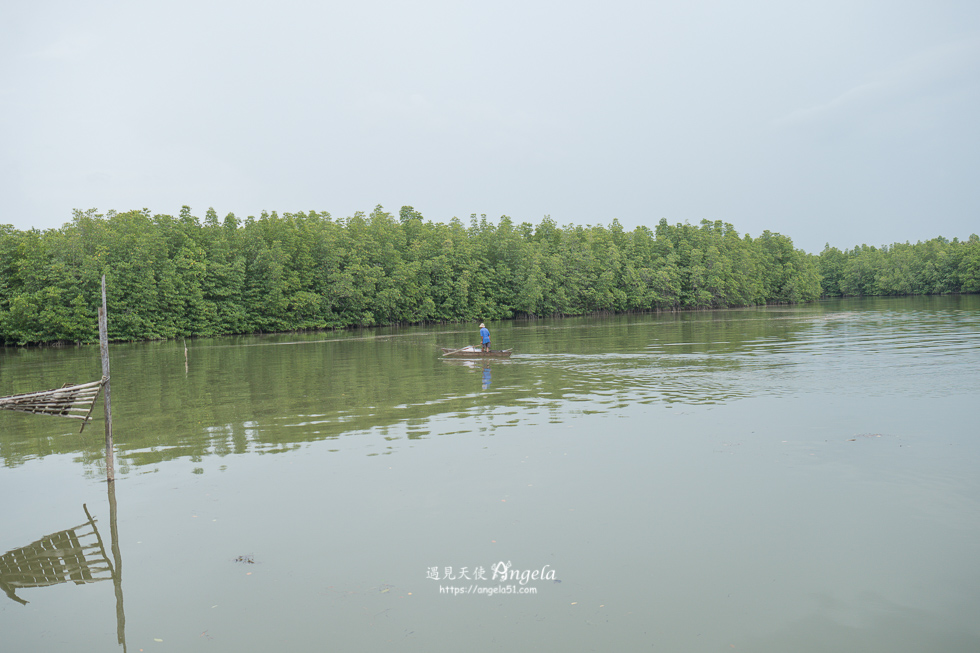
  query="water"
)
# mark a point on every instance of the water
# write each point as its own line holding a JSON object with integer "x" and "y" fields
{"x": 793, "y": 478}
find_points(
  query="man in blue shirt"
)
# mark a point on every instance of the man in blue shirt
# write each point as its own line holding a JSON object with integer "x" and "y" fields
{"x": 485, "y": 335}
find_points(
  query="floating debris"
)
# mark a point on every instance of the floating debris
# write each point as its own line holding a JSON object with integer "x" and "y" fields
{"x": 866, "y": 435}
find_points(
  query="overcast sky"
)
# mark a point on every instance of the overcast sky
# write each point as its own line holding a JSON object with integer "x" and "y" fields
{"x": 840, "y": 121}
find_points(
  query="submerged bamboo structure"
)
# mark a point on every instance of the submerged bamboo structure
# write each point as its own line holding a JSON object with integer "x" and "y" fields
{"x": 74, "y": 401}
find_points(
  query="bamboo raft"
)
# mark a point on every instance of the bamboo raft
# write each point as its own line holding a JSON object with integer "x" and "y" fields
{"x": 73, "y": 401}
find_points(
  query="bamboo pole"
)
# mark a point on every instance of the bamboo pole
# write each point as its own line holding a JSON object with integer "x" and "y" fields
{"x": 456, "y": 351}
{"x": 104, "y": 350}
{"x": 92, "y": 405}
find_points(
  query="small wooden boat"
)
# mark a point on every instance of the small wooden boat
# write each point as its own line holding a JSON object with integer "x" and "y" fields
{"x": 474, "y": 352}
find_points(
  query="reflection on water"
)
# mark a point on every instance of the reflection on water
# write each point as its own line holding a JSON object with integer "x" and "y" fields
{"x": 791, "y": 478}
{"x": 73, "y": 555}
{"x": 271, "y": 394}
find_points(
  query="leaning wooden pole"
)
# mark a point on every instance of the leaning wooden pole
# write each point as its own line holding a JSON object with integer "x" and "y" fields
{"x": 104, "y": 349}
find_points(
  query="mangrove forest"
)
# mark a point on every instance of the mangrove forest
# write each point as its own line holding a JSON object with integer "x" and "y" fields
{"x": 182, "y": 276}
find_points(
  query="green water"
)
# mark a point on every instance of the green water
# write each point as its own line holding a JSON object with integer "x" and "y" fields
{"x": 792, "y": 478}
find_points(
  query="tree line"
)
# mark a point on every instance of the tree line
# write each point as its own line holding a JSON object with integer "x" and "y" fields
{"x": 170, "y": 277}
{"x": 935, "y": 267}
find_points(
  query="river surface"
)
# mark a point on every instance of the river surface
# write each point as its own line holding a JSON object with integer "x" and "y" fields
{"x": 775, "y": 479}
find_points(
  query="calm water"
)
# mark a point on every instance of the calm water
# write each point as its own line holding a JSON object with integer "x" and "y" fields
{"x": 783, "y": 479}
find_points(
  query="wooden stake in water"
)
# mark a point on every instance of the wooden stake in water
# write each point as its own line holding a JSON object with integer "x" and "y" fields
{"x": 104, "y": 350}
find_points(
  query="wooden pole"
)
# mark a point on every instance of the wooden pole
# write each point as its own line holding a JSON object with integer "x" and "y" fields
{"x": 104, "y": 349}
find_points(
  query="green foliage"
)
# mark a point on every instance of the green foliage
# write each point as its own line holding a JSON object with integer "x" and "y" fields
{"x": 937, "y": 266}
{"x": 171, "y": 277}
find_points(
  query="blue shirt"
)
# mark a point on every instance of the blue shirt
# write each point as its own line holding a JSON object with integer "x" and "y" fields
{"x": 486, "y": 335}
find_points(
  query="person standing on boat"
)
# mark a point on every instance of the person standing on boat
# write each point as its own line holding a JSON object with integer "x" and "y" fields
{"x": 485, "y": 336}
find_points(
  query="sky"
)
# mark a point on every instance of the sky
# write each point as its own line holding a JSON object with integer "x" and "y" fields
{"x": 845, "y": 122}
